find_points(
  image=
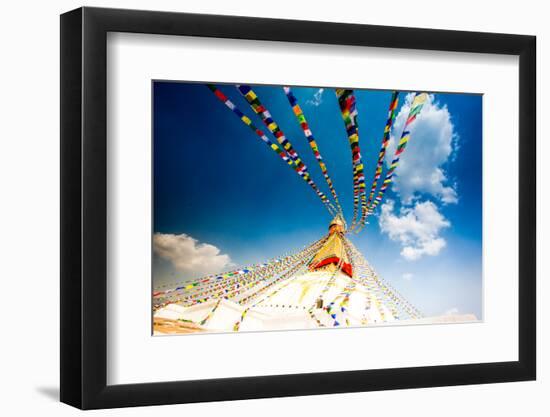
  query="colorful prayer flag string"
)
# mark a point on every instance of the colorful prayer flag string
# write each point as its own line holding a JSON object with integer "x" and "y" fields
{"x": 348, "y": 109}
{"x": 281, "y": 152}
{"x": 232, "y": 285}
{"x": 385, "y": 141}
{"x": 416, "y": 107}
{"x": 287, "y": 278}
{"x": 211, "y": 313}
{"x": 267, "y": 119}
{"x": 312, "y": 143}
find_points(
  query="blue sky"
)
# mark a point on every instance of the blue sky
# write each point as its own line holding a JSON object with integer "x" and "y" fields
{"x": 222, "y": 198}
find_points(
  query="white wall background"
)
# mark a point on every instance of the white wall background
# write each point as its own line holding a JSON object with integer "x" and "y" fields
{"x": 29, "y": 207}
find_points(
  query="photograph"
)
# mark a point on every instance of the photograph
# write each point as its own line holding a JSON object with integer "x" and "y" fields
{"x": 281, "y": 207}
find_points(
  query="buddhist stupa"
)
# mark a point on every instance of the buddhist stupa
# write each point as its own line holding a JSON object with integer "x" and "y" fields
{"x": 327, "y": 284}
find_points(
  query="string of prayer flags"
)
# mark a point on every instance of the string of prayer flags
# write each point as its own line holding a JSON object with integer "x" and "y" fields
{"x": 304, "y": 260}
{"x": 292, "y": 273}
{"x": 282, "y": 153}
{"x": 314, "y": 318}
{"x": 364, "y": 273}
{"x": 231, "y": 284}
{"x": 236, "y": 285}
{"x": 224, "y": 99}
{"x": 416, "y": 107}
{"x": 385, "y": 141}
{"x": 312, "y": 143}
{"x": 348, "y": 109}
{"x": 267, "y": 119}
{"x": 211, "y": 313}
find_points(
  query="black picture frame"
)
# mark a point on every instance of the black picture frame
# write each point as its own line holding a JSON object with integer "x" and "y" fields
{"x": 84, "y": 207}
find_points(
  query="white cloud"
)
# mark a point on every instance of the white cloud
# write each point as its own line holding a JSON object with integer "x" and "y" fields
{"x": 432, "y": 142}
{"x": 317, "y": 98}
{"x": 188, "y": 255}
{"x": 407, "y": 276}
{"x": 416, "y": 228}
{"x": 451, "y": 311}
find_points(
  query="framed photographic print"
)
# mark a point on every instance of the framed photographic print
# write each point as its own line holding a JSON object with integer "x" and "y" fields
{"x": 256, "y": 208}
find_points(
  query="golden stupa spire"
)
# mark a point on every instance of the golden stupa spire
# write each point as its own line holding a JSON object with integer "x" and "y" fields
{"x": 332, "y": 254}
{"x": 337, "y": 225}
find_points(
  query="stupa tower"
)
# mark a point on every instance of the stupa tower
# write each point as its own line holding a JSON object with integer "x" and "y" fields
{"x": 327, "y": 284}
{"x": 333, "y": 255}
